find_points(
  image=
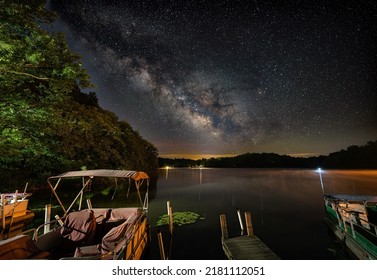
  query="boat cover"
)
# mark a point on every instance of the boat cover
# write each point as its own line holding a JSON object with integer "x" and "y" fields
{"x": 111, "y": 239}
{"x": 79, "y": 227}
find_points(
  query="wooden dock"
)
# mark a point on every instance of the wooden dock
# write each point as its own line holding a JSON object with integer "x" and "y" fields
{"x": 244, "y": 247}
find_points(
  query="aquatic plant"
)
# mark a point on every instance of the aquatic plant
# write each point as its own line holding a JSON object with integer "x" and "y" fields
{"x": 180, "y": 218}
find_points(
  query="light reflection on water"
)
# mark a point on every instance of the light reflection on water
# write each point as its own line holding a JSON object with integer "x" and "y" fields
{"x": 286, "y": 208}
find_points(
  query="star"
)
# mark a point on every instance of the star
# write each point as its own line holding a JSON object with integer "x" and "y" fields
{"x": 198, "y": 78}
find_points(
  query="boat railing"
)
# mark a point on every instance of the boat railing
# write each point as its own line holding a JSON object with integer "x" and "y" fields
{"x": 35, "y": 233}
{"x": 54, "y": 223}
{"x": 360, "y": 228}
{"x": 353, "y": 217}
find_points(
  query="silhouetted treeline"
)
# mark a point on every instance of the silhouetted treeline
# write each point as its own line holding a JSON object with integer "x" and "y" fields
{"x": 178, "y": 162}
{"x": 354, "y": 157}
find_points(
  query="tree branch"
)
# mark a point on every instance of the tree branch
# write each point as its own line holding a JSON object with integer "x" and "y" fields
{"x": 27, "y": 74}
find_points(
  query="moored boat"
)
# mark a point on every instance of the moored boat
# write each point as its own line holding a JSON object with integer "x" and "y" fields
{"x": 353, "y": 220}
{"x": 14, "y": 213}
{"x": 101, "y": 232}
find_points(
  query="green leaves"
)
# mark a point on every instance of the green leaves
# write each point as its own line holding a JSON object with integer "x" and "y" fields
{"x": 37, "y": 75}
{"x": 180, "y": 218}
{"x": 34, "y": 58}
{"x": 5, "y": 48}
{"x": 46, "y": 123}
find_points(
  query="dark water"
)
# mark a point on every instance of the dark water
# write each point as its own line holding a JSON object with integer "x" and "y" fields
{"x": 286, "y": 207}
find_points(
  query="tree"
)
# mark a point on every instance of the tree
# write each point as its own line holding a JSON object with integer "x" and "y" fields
{"x": 46, "y": 123}
{"x": 37, "y": 71}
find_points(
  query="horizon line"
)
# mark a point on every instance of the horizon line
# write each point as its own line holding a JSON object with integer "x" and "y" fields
{"x": 207, "y": 156}
{"x": 194, "y": 156}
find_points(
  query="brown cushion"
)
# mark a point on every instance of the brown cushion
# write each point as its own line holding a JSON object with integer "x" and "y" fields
{"x": 85, "y": 251}
{"x": 79, "y": 226}
{"x": 116, "y": 234}
{"x": 122, "y": 213}
{"x": 101, "y": 214}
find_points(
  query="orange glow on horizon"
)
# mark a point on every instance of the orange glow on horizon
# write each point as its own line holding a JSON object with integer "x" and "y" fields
{"x": 195, "y": 156}
{"x": 304, "y": 155}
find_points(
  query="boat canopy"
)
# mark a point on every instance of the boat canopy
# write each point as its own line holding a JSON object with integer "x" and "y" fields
{"x": 354, "y": 198}
{"x": 87, "y": 176}
{"x": 135, "y": 175}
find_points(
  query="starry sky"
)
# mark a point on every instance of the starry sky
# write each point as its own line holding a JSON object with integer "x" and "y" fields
{"x": 215, "y": 78}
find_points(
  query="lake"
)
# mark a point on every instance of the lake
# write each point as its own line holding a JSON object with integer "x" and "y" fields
{"x": 286, "y": 207}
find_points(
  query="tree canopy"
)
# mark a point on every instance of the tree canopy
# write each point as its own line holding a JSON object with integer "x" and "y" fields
{"x": 46, "y": 123}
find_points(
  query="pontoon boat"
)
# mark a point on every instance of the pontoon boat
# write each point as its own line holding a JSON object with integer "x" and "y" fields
{"x": 90, "y": 233}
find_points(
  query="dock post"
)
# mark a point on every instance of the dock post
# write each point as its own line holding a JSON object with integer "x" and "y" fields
{"x": 249, "y": 224}
{"x": 46, "y": 227}
{"x": 240, "y": 219}
{"x": 224, "y": 227}
{"x": 161, "y": 245}
{"x": 170, "y": 215}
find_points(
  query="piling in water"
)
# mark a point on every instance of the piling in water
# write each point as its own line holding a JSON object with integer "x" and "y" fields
{"x": 161, "y": 245}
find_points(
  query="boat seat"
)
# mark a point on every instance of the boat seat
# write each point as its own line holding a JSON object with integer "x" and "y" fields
{"x": 101, "y": 214}
{"x": 109, "y": 241}
{"x": 79, "y": 229}
{"x": 123, "y": 213}
{"x": 21, "y": 247}
{"x": 109, "y": 218}
{"x": 49, "y": 241}
{"x": 112, "y": 238}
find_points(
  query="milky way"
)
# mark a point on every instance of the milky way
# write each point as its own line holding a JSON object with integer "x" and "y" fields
{"x": 223, "y": 77}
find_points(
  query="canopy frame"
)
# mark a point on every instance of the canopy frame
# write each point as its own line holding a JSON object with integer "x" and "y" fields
{"x": 87, "y": 176}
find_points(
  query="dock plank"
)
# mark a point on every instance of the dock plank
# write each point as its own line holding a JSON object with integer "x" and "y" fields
{"x": 247, "y": 248}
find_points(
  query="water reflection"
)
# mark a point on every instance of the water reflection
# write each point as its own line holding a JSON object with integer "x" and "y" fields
{"x": 286, "y": 206}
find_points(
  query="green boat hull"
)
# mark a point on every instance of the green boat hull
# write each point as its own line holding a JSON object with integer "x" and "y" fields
{"x": 359, "y": 235}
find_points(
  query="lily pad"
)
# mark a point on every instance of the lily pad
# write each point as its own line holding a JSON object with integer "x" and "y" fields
{"x": 179, "y": 218}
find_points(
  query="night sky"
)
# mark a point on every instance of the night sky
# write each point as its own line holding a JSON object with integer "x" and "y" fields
{"x": 199, "y": 78}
